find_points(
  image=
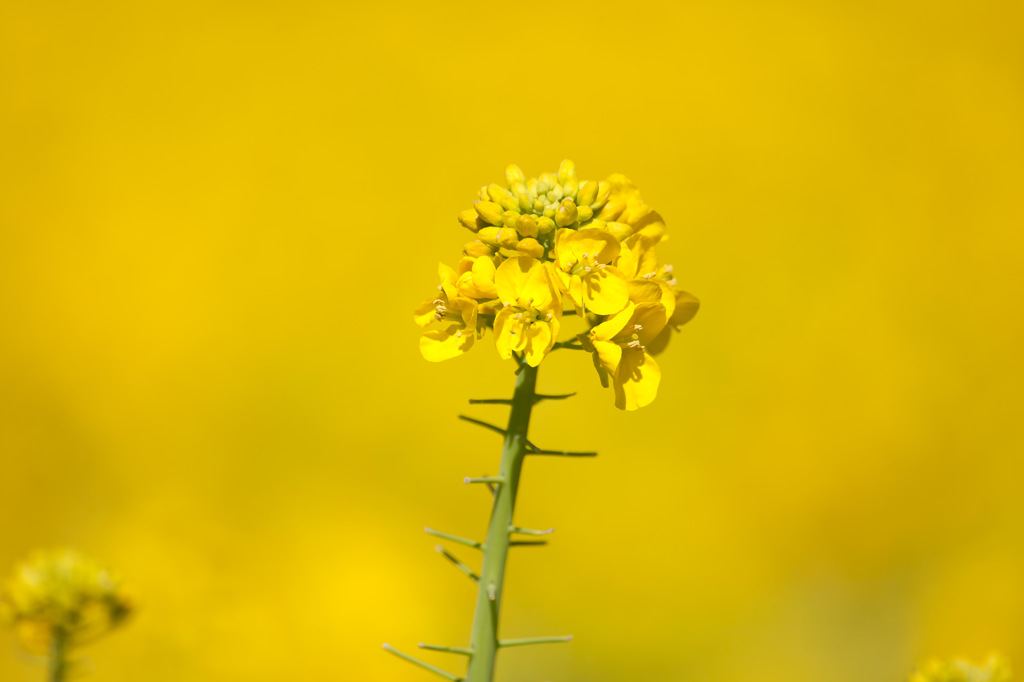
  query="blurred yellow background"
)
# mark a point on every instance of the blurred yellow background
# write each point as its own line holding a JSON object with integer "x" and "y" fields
{"x": 217, "y": 217}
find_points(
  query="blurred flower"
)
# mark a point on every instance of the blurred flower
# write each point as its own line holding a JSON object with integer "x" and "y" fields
{"x": 995, "y": 669}
{"x": 551, "y": 245}
{"x": 65, "y": 595}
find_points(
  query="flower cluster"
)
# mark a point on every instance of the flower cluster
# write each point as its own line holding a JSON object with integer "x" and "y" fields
{"x": 995, "y": 669}
{"x": 61, "y": 593}
{"x": 546, "y": 247}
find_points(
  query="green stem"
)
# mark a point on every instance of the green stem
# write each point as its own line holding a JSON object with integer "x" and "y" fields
{"x": 58, "y": 655}
{"x": 484, "y": 637}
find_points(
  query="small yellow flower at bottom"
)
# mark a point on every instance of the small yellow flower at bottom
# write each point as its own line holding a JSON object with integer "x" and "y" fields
{"x": 62, "y": 593}
{"x": 995, "y": 669}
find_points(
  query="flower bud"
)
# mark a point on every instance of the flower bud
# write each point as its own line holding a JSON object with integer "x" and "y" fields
{"x": 490, "y": 211}
{"x": 570, "y": 187}
{"x": 530, "y": 247}
{"x": 585, "y": 213}
{"x": 526, "y": 225}
{"x": 587, "y": 193}
{"x": 566, "y": 171}
{"x": 514, "y": 176}
{"x": 470, "y": 220}
{"x": 507, "y": 237}
{"x": 489, "y": 235}
{"x": 545, "y": 225}
{"x": 612, "y": 210}
{"x": 477, "y": 248}
{"x": 566, "y": 214}
{"x": 523, "y": 197}
{"x": 619, "y": 230}
{"x": 603, "y": 190}
{"x": 510, "y": 218}
{"x": 496, "y": 192}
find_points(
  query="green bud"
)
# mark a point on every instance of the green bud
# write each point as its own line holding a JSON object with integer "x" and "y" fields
{"x": 525, "y": 200}
{"x": 587, "y": 193}
{"x": 490, "y": 211}
{"x": 570, "y": 187}
{"x": 566, "y": 171}
{"x": 566, "y": 214}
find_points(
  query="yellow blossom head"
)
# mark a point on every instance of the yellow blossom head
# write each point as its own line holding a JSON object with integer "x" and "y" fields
{"x": 995, "y": 669}
{"x": 62, "y": 592}
{"x": 558, "y": 244}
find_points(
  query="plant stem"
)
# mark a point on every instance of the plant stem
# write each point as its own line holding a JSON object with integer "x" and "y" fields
{"x": 484, "y": 637}
{"x": 58, "y": 655}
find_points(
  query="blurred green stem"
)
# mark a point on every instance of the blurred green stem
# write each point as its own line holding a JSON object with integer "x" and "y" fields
{"x": 484, "y": 637}
{"x": 58, "y": 655}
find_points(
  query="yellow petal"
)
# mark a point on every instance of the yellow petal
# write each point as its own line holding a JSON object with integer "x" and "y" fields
{"x": 424, "y": 313}
{"x": 438, "y": 345}
{"x": 448, "y": 279}
{"x": 538, "y": 290}
{"x": 593, "y": 242}
{"x": 653, "y": 291}
{"x": 605, "y": 291}
{"x": 609, "y": 354}
{"x": 511, "y": 278}
{"x": 652, "y": 317}
{"x": 502, "y": 335}
{"x": 636, "y": 381}
{"x": 686, "y": 307}
{"x": 540, "y": 337}
{"x": 613, "y": 326}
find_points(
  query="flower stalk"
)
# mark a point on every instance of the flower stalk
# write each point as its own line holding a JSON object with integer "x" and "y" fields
{"x": 484, "y": 637}
{"x": 58, "y": 658}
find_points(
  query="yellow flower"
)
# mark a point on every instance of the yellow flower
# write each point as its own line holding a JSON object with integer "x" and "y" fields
{"x": 619, "y": 345}
{"x": 582, "y": 264}
{"x": 62, "y": 591}
{"x": 528, "y": 320}
{"x": 476, "y": 278}
{"x": 453, "y": 316}
{"x": 995, "y": 669}
{"x": 541, "y": 242}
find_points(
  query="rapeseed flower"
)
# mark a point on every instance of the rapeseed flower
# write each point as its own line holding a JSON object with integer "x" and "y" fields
{"x": 995, "y": 669}
{"x": 62, "y": 594}
{"x": 553, "y": 245}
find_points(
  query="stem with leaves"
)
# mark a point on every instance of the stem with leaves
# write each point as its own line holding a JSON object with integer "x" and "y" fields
{"x": 484, "y": 642}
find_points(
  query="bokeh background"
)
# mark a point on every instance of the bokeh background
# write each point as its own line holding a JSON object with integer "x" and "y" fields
{"x": 217, "y": 217}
